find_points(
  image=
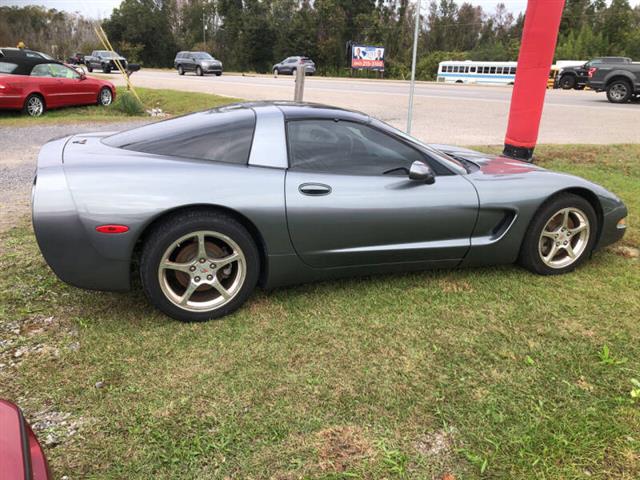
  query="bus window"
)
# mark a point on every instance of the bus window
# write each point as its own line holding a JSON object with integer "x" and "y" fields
{"x": 472, "y": 69}
{"x": 513, "y": 70}
{"x": 492, "y": 70}
{"x": 455, "y": 69}
{"x": 499, "y": 70}
{"x": 466, "y": 69}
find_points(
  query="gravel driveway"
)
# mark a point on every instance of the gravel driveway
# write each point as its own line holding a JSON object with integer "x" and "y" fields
{"x": 19, "y": 147}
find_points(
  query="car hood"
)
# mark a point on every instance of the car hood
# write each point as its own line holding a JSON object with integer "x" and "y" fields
{"x": 487, "y": 162}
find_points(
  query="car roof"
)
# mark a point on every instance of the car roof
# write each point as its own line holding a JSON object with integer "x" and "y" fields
{"x": 306, "y": 110}
{"x": 26, "y": 64}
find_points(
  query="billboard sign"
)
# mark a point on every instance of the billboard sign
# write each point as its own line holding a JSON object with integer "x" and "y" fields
{"x": 367, "y": 57}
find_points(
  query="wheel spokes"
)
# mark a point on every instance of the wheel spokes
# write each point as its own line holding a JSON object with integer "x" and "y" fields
{"x": 223, "y": 262}
{"x": 180, "y": 267}
{"x": 220, "y": 288}
{"x": 187, "y": 293}
{"x": 202, "y": 248}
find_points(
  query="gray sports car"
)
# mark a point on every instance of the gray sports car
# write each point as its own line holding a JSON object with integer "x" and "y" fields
{"x": 206, "y": 206}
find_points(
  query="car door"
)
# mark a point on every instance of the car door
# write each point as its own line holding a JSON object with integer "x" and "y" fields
{"x": 344, "y": 210}
{"x": 73, "y": 88}
{"x": 48, "y": 85}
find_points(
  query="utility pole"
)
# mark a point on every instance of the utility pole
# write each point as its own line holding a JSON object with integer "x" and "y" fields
{"x": 204, "y": 29}
{"x": 413, "y": 67}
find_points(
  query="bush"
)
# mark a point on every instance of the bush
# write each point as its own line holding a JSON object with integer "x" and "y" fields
{"x": 128, "y": 104}
{"x": 427, "y": 67}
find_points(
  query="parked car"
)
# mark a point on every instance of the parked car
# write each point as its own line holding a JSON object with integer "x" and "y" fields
{"x": 21, "y": 455}
{"x": 76, "y": 59}
{"x": 289, "y": 66}
{"x": 198, "y": 62}
{"x": 210, "y": 204}
{"x": 36, "y": 84}
{"x": 621, "y": 80}
{"x": 105, "y": 60}
{"x": 23, "y": 53}
{"x": 576, "y": 77}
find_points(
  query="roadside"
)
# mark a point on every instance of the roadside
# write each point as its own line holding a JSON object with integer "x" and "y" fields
{"x": 20, "y": 147}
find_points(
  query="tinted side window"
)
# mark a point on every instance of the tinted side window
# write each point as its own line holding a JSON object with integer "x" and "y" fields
{"x": 222, "y": 135}
{"x": 42, "y": 70}
{"x": 346, "y": 147}
{"x": 6, "y": 67}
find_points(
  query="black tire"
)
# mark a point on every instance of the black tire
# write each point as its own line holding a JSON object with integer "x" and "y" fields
{"x": 89, "y": 68}
{"x": 218, "y": 74}
{"x": 34, "y": 105}
{"x": 567, "y": 82}
{"x": 199, "y": 71}
{"x": 276, "y": 72}
{"x": 530, "y": 253}
{"x": 105, "y": 97}
{"x": 161, "y": 238}
{"x": 180, "y": 70}
{"x": 619, "y": 91}
{"x": 106, "y": 68}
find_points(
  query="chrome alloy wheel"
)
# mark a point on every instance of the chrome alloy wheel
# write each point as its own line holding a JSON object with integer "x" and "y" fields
{"x": 618, "y": 91}
{"x": 106, "y": 97}
{"x": 35, "y": 107}
{"x": 202, "y": 271}
{"x": 564, "y": 237}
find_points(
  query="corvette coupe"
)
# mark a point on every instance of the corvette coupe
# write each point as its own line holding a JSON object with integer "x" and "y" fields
{"x": 206, "y": 206}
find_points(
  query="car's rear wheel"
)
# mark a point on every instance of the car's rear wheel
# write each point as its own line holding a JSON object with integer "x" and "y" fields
{"x": 199, "y": 266}
{"x": 199, "y": 71}
{"x": 34, "y": 105}
{"x": 567, "y": 82}
{"x": 561, "y": 236}
{"x": 89, "y": 68}
{"x": 218, "y": 74}
{"x": 180, "y": 70}
{"x": 106, "y": 68}
{"x": 105, "y": 97}
{"x": 619, "y": 91}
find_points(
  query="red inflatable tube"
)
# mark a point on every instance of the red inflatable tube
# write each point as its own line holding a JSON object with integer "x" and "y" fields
{"x": 539, "y": 36}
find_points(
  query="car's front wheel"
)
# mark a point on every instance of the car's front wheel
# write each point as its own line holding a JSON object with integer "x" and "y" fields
{"x": 561, "y": 236}
{"x": 34, "y": 105}
{"x": 180, "y": 70}
{"x": 105, "y": 97}
{"x": 199, "y": 71}
{"x": 89, "y": 68}
{"x": 106, "y": 68}
{"x": 199, "y": 266}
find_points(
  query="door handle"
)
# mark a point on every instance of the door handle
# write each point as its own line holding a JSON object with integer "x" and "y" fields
{"x": 314, "y": 189}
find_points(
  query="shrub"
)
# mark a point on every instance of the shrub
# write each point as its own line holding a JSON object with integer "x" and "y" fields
{"x": 128, "y": 104}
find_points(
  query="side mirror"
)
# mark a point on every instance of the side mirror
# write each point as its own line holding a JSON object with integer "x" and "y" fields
{"x": 83, "y": 76}
{"x": 422, "y": 172}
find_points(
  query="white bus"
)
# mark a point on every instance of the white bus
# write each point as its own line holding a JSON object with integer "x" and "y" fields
{"x": 467, "y": 71}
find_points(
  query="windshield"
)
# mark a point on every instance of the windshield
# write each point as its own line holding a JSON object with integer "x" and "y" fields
{"x": 108, "y": 54}
{"x": 203, "y": 56}
{"x": 455, "y": 164}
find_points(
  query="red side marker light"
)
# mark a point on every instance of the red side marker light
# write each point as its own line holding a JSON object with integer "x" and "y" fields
{"x": 112, "y": 228}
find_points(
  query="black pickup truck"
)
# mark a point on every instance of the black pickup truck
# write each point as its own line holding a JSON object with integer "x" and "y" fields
{"x": 105, "y": 60}
{"x": 621, "y": 81}
{"x": 578, "y": 77}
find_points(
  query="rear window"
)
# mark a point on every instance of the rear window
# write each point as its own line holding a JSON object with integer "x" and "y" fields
{"x": 222, "y": 135}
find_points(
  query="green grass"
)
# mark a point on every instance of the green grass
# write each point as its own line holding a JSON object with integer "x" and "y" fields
{"x": 482, "y": 373}
{"x": 172, "y": 102}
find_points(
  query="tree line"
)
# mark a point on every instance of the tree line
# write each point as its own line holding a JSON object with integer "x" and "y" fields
{"x": 252, "y": 35}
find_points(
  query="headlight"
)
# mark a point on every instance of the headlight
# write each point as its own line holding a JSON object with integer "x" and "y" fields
{"x": 622, "y": 223}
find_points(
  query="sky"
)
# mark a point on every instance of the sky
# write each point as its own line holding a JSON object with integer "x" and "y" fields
{"x": 102, "y": 8}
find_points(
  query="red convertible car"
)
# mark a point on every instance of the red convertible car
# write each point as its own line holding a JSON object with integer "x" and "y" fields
{"x": 34, "y": 85}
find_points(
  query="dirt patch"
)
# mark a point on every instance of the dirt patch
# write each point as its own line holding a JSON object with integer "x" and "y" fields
{"x": 341, "y": 448}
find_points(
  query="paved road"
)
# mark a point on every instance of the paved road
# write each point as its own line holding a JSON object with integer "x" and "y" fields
{"x": 460, "y": 114}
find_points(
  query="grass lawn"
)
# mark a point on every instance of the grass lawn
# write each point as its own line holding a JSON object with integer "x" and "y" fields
{"x": 172, "y": 102}
{"x": 480, "y": 373}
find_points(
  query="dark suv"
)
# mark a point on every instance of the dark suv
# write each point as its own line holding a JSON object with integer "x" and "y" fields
{"x": 198, "y": 62}
{"x": 577, "y": 77}
{"x": 290, "y": 64}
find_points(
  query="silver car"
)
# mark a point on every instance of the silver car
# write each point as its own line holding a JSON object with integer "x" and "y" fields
{"x": 290, "y": 65}
{"x": 197, "y": 62}
{"x": 206, "y": 206}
